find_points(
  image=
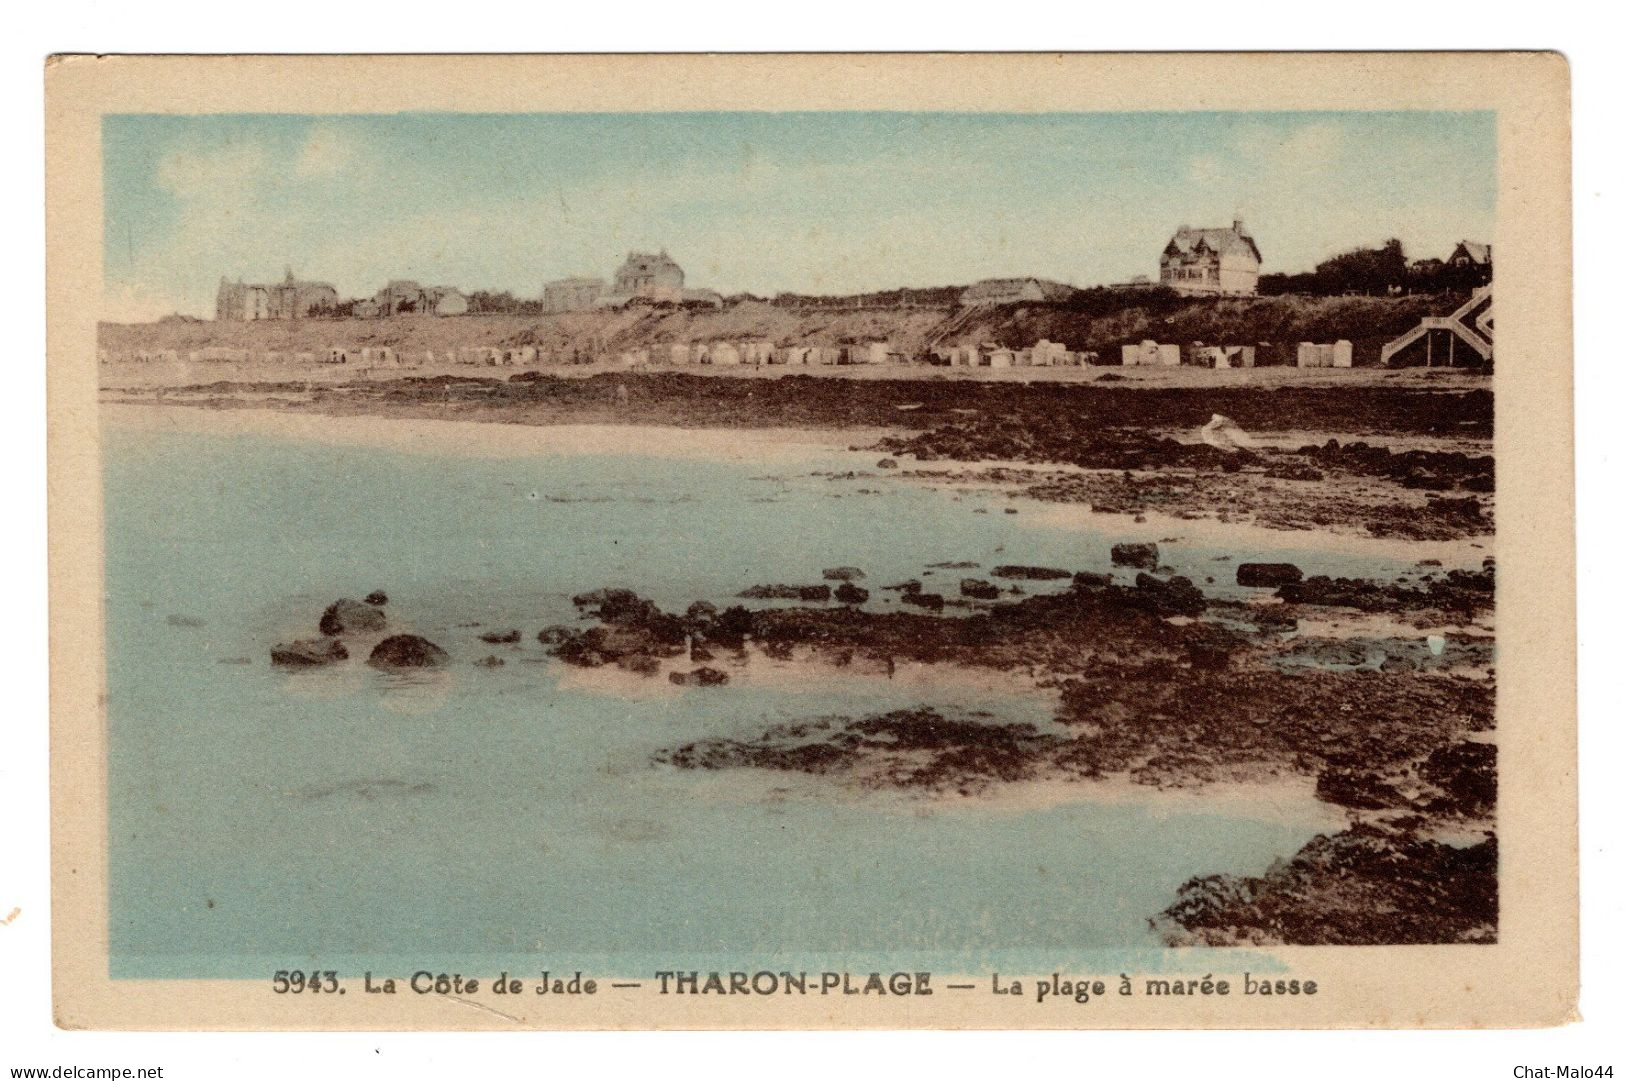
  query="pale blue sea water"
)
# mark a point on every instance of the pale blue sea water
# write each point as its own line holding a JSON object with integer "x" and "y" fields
{"x": 511, "y": 818}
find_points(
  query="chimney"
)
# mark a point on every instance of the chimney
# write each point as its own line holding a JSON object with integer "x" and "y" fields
{"x": 1238, "y": 226}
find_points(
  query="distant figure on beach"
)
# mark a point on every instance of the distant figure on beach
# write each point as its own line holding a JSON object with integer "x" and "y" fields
{"x": 1226, "y": 434}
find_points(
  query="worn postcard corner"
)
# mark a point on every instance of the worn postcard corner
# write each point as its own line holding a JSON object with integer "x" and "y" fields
{"x": 917, "y": 541}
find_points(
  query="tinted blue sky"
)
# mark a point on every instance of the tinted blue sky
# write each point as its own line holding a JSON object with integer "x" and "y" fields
{"x": 817, "y": 202}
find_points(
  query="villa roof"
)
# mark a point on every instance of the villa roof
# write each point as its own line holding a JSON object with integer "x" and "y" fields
{"x": 1230, "y": 239}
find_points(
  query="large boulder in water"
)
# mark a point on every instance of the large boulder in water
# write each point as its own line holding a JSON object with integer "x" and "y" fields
{"x": 407, "y": 651}
{"x": 346, "y": 616}
{"x": 308, "y": 653}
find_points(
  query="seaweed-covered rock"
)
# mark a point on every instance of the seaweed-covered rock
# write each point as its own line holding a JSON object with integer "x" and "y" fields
{"x": 1136, "y": 555}
{"x": 1465, "y": 774}
{"x": 1357, "y": 788}
{"x": 1176, "y": 596}
{"x": 843, "y": 574}
{"x": 499, "y": 638}
{"x": 1327, "y": 895}
{"x": 407, "y": 651}
{"x": 345, "y": 616}
{"x": 309, "y": 653}
{"x": 931, "y": 601}
{"x": 555, "y": 635}
{"x": 377, "y": 598}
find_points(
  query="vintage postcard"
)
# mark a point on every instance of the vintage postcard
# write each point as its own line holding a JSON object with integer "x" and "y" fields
{"x": 812, "y": 541}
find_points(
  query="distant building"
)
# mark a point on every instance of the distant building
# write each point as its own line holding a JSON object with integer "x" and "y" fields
{"x": 1471, "y": 253}
{"x": 1214, "y": 262}
{"x": 1014, "y": 291}
{"x": 401, "y": 297}
{"x": 653, "y": 276}
{"x": 290, "y": 298}
{"x": 572, "y": 294}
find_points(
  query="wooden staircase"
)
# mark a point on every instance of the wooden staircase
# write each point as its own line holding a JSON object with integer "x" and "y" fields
{"x": 1473, "y": 323}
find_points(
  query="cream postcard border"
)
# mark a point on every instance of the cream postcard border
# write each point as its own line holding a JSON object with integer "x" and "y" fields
{"x": 1529, "y": 978}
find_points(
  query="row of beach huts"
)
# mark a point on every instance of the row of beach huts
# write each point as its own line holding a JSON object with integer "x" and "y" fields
{"x": 1045, "y": 354}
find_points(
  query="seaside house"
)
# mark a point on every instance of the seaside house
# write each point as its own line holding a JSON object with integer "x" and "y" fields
{"x": 1213, "y": 262}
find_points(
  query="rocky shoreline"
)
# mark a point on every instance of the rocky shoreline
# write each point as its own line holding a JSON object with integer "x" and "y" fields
{"x": 1162, "y": 685}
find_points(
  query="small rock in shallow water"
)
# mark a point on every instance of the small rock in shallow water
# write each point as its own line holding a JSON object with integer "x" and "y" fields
{"x": 700, "y": 677}
{"x": 407, "y": 651}
{"x": 842, "y": 574}
{"x": 346, "y": 616}
{"x": 308, "y": 653}
{"x": 492, "y": 661}
{"x": 499, "y": 638}
{"x": 377, "y": 598}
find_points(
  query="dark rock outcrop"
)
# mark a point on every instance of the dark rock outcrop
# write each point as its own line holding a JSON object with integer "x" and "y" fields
{"x": 407, "y": 651}
{"x": 1465, "y": 774}
{"x": 1267, "y": 574}
{"x": 1364, "y": 886}
{"x": 843, "y": 574}
{"x": 378, "y": 598}
{"x": 979, "y": 589}
{"x": 1177, "y": 596}
{"x": 1136, "y": 555}
{"x": 847, "y": 593}
{"x": 500, "y": 638}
